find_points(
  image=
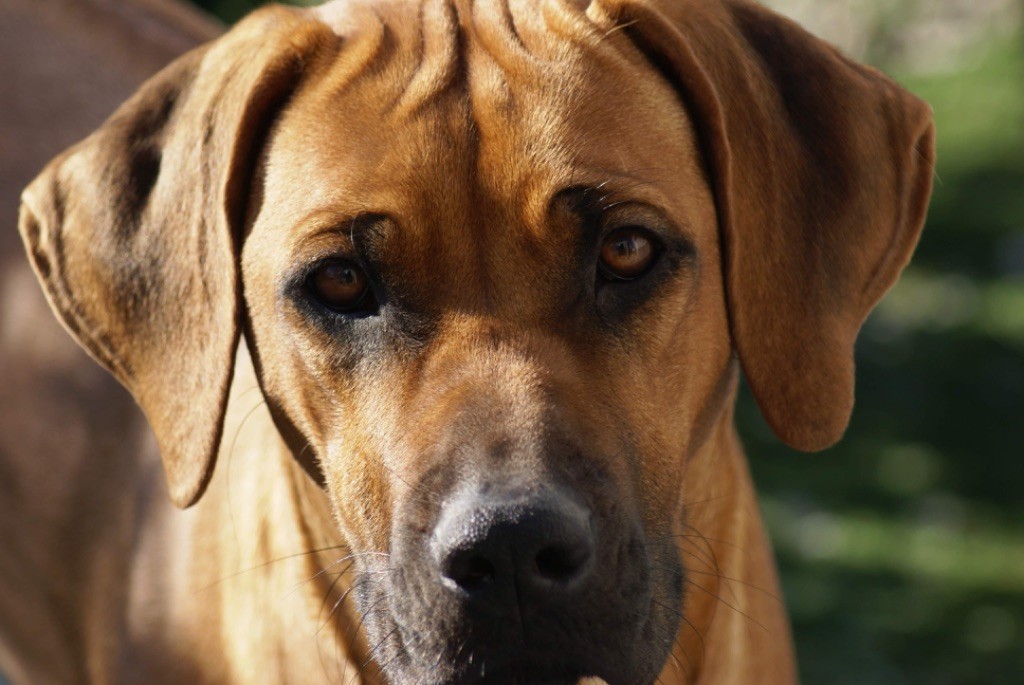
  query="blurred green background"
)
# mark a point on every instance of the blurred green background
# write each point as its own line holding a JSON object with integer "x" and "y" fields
{"x": 902, "y": 548}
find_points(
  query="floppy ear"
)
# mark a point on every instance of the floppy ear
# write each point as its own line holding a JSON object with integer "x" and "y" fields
{"x": 821, "y": 170}
{"x": 133, "y": 231}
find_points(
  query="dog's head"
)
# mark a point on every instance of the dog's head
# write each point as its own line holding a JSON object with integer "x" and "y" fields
{"x": 494, "y": 264}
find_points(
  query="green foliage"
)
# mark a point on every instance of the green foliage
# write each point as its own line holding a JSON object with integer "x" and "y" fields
{"x": 231, "y": 11}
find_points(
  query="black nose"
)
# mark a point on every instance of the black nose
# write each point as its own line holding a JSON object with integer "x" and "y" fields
{"x": 504, "y": 549}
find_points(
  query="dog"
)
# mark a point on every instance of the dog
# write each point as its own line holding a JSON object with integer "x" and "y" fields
{"x": 66, "y": 65}
{"x": 497, "y": 266}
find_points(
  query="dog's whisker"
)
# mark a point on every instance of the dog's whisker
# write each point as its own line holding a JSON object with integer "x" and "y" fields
{"x": 348, "y": 557}
{"x": 740, "y": 582}
{"x": 324, "y": 571}
{"x": 739, "y": 611}
{"x": 692, "y": 503}
{"x": 327, "y": 594}
{"x": 338, "y": 603}
{"x": 688, "y": 623}
{"x": 316, "y": 635}
{"x": 711, "y": 551}
{"x": 698, "y": 534}
{"x": 669, "y": 564}
{"x": 245, "y": 392}
{"x": 700, "y": 555}
{"x": 697, "y": 557}
{"x": 709, "y": 562}
{"x": 369, "y": 656}
{"x": 458, "y": 652}
{"x": 720, "y": 576}
{"x": 267, "y": 563}
{"x": 319, "y": 645}
{"x": 352, "y": 633}
{"x": 231, "y": 454}
{"x": 428, "y": 496}
{"x": 382, "y": 666}
{"x": 678, "y": 665}
{"x": 700, "y": 641}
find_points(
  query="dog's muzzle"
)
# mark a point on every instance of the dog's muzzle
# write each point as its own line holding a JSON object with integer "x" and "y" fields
{"x": 518, "y": 579}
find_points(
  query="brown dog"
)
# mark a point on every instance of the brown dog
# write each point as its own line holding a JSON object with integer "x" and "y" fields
{"x": 498, "y": 265}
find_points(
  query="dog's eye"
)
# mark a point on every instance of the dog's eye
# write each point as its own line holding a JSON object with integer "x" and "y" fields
{"x": 628, "y": 253}
{"x": 341, "y": 285}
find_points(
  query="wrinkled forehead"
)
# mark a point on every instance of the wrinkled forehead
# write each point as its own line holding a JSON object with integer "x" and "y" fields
{"x": 438, "y": 108}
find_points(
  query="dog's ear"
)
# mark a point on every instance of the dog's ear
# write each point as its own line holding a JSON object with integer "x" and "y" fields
{"x": 821, "y": 170}
{"x": 133, "y": 231}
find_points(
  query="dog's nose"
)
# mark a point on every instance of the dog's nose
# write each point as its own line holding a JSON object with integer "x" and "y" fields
{"x": 506, "y": 551}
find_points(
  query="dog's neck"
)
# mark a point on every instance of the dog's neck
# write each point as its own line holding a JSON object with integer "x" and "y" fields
{"x": 734, "y": 622}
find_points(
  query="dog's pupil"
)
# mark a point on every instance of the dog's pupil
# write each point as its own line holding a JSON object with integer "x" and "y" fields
{"x": 627, "y": 253}
{"x": 340, "y": 283}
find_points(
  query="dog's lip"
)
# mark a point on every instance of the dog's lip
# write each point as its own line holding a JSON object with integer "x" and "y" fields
{"x": 512, "y": 675}
{"x": 508, "y": 669}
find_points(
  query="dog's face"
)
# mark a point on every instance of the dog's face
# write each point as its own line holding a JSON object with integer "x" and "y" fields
{"x": 495, "y": 265}
{"x": 502, "y": 300}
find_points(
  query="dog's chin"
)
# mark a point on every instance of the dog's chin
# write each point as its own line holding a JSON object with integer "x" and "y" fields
{"x": 404, "y": 666}
{"x": 510, "y": 670}
{"x": 405, "y": 658}
{"x": 509, "y": 673}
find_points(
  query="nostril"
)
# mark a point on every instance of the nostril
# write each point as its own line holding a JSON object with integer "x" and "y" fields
{"x": 471, "y": 571}
{"x": 561, "y": 563}
{"x": 490, "y": 547}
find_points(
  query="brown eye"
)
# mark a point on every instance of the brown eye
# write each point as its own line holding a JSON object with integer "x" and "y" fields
{"x": 340, "y": 284}
{"x": 627, "y": 253}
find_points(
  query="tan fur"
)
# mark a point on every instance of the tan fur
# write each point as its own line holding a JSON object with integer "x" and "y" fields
{"x": 799, "y": 179}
